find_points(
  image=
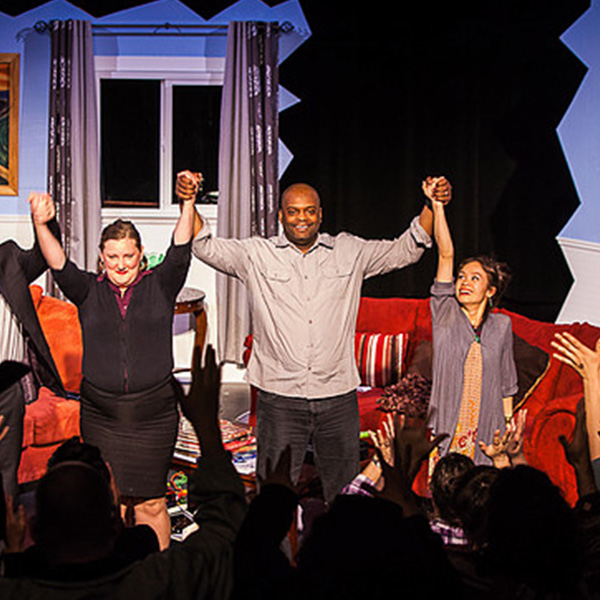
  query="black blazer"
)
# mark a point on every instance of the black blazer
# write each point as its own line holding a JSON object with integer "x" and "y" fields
{"x": 18, "y": 268}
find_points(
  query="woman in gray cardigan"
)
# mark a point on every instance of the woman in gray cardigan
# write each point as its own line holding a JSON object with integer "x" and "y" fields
{"x": 474, "y": 373}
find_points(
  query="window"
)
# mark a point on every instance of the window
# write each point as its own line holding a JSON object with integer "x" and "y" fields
{"x": 153, "y": 126}
{"x": 196, "y": 120}
{"x": 130, "y": 137}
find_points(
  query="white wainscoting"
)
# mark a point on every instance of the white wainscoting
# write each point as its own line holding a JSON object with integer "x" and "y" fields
{"x": 583, "y": 302}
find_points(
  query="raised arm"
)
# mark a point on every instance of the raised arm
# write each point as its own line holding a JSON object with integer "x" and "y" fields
{"x": 184, "y": 228}
{"x": 443, "y": 239}
{"x": 42, "y": 212}
{"x": 434, "y": 188}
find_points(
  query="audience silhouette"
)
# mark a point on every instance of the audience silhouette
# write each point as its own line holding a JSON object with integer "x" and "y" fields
{"x": 492, "y": 532}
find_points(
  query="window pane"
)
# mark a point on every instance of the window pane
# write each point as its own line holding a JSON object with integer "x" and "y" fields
{"x": 130, "y": 134}
{"x": 196, "y": 119}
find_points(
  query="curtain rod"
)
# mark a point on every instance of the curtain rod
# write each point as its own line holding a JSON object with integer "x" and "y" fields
{"x": 161, "y": 29}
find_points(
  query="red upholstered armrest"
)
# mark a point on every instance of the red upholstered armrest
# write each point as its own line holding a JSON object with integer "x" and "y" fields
{"x": 542, "y": 448}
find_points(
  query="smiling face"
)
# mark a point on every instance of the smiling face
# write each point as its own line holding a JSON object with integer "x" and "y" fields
{"x": 122, "y": 260}
{"x": 300, "y": 215}
{"x": 473, "y": 285}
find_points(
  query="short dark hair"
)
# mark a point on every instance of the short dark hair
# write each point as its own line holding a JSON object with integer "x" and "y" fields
{"x": 471, "y": 499}
{"x": 446, "y": 473}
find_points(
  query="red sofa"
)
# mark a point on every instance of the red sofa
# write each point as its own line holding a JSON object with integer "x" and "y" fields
{"x": 51, "y": 419}
{"x": 549, "y": 389}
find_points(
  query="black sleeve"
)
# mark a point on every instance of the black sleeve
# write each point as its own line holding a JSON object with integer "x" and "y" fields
{"x": 173, "y": 270}
{"x": 74, "y": 282}
{"x": 32, "y": 261}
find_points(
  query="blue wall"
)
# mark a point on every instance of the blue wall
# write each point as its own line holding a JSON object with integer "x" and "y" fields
{"x": 17, "y": 35}
{"x": 579, "y": 131}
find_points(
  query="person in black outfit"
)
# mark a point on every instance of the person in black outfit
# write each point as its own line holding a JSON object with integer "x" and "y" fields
{"x": 19, "y": 323}
{"x": 128, "y": 395}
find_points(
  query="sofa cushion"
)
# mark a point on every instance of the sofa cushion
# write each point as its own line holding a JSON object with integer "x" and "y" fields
{"x": 380, "y": 357}
{"x": 60, "y": 323}
{"x": 421, "y": 362}
{"x": 532, "y": 365}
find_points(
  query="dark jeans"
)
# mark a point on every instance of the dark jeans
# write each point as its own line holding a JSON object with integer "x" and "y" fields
{"x": 12, "y": 407}
{"x": 331, "y": 423}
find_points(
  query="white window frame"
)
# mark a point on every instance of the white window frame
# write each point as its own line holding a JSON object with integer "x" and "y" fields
{"x": 170, "y": 70}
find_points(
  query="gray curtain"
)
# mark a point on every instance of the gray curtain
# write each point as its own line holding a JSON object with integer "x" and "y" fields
{"x": 248, "y": 163}
{"x": 73, "y": 143}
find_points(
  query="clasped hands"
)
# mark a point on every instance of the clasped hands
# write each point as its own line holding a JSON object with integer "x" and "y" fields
{"x": 437, "y": 189}
{"x": 187, "y": 185}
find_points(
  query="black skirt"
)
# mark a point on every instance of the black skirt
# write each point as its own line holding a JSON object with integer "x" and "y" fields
{"x": 136, "y": 434}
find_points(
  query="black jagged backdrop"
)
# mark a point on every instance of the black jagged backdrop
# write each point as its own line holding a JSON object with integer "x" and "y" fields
{"x": 471, "y": 89}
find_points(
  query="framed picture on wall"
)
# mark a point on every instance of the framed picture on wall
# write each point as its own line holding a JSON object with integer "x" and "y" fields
{"x": 9, "y": 124}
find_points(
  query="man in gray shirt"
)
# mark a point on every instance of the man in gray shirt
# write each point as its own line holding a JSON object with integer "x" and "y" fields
{"x": 304, "y": 292}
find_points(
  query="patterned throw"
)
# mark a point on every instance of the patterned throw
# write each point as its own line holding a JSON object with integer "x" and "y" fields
{"x": 465, "y": 434}
{"x": 380, "y": 357}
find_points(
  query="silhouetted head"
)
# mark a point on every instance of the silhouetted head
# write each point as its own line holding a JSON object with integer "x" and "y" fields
{"x": 75, "y": 516}
{"x": 531, "y": 535}
{"x": 362, "y": 547}
{"x": 74, "y": 449}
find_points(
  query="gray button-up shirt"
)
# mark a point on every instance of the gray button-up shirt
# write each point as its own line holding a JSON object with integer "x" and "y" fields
{"x": 304, "y": 306}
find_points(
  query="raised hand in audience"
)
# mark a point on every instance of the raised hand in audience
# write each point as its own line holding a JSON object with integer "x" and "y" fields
{"x": 201, "y": 405}
{"x": 576, "y": 354}
{"x": 384, "y": 438}
{"x": 506, "y": 449}
{"x": 412, "y": 444}
{"x": 586, "y": 361}
{"x": 516, "y": 437}
{"x": 496, "y": 451}
{"x": 577, "y": 453}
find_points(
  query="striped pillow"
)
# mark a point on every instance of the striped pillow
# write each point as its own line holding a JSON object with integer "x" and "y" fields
{"x": 380, "y": 357}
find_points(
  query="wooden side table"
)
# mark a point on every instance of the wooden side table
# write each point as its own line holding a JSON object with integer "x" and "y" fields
{"x": 191, "y": 301}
